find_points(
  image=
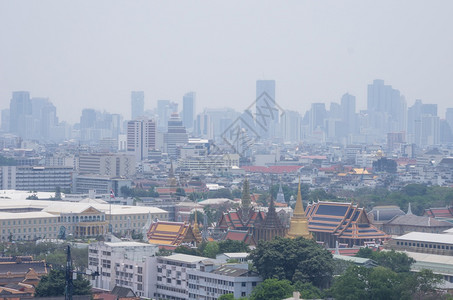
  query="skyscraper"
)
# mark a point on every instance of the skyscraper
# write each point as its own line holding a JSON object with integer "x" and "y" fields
{"x": 137, "y": 104}
{"x": 141, "y": 137}
{"x": 20, "y": 113}
{"x": 386, "y": 108}
{"x": 176, "y": 136}
{"x": 266, "y": 112}
{"x": 188, "y": 110}
{"x": 349, "y": 116}
{"x": 165, "y": 108}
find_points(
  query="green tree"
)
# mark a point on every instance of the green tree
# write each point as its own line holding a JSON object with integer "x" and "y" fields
{"x": 293, "y": 259}
{"x": 352, "y": 285}
{"x": 384, "y": 164}
{"x": 396, "y": 261}
{"x": 230, "y": 246}
{"x": 308, "y": 290}
{"x": 187, "y": 250}
{"x": 211, "y": 249}
{"x": 272, "y": 289}
{"x": 53, "y": 284}
{"x": 226, "y": 297}
{"x": 57, "y": 193}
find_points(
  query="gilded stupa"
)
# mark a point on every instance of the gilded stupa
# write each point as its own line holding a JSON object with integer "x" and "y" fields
{"x": 299, "y": 222}
{"x": 196, "y": 229}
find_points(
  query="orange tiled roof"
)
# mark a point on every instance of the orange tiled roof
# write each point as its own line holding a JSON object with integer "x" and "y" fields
{"x": 167, "y": 233}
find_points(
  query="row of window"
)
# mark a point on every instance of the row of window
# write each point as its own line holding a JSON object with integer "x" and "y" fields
{"x": 425, "y": 245}
{"x": 29, "y": 221}
{"x": 44, "y": 229}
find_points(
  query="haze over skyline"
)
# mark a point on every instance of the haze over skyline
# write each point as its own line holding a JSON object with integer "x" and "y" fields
{"x": 93, "y": 54}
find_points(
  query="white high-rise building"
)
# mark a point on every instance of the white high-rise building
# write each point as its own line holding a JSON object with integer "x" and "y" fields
{"x": 141, "y": 138}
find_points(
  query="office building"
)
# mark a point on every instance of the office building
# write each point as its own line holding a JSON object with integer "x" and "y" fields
{"x": 21, "y": 114}
{"x": 137, "y": 104}
{"x": 125, "y": 264}
{"x": 266, "y": 111}
{"x": 175, "y": 137}
{"x": 35, "y": 178}
{"x": 386, "y": 109}
{"x": 119, "y": 165}
{"x": 349, "y": 116}
{"x": 188, "y": 110}
{"x": 141, "y": 138}
{"x": 165, "y": 108}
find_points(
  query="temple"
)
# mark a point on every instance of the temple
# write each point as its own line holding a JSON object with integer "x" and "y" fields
{"x": 172, "y": 234}
{"x": 247, "y": 221}
{"x": 271, "y": 227}
{"x": 299, "y": 222}
{"x": 343, "y": 222}
{"x": 245, "y": 218}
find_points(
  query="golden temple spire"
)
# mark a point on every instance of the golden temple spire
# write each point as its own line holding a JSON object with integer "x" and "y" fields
{"x": 299, "y": 222}
{"x": 299, "y": 208}
{"x": 195, "y": 229}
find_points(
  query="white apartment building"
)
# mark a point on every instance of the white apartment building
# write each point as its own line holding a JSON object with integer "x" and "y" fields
{"x": 182, "y": 276}
{"x": 125, "y": 264}
{"x": 116, "y": 165}
{"x": 40, "y": 178}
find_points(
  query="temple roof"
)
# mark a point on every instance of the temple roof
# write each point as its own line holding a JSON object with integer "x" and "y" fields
{"x": 169, "y": 233}
{"x": 439, "y": 212}
{"x": 345, "y": 220}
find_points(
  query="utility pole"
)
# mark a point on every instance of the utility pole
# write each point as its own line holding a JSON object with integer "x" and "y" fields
{"x": 69, "y": 283}
{"x": 69, "y": 288}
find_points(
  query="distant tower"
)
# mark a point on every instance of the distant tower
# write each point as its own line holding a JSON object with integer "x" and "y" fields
{"x": 280, "y": 195}
{"x": 267, "y": 114}
{"x": 188, "y": 110}
{"x": 299, "y": 222}
{"x": 137, "y": 104}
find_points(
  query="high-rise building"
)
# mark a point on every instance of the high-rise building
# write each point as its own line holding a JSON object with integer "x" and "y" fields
{"x": 176, "y": 136}
{"x": 349, "y": 116}
{"x": 415, "y": 116}
{"x": 165, "y": 108}
{"x": 290, "y": 126}
{"x": 318, "y": 114}
{"x": 449, "y": 117}
{"x": 5, "y": 120}
{"x": 137, "y": 104}
{"x": 386, "y": 109}
{"x": 266, "y": 112}
{"x": 430, "y": 130}
{"x": 188, "y": 110}
{"x": 141, "y": 137}
{"x": 20, "y": 114}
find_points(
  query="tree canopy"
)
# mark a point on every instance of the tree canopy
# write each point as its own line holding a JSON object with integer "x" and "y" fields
{"x": 53, "y": 284}
{"x": 294, "y": 260}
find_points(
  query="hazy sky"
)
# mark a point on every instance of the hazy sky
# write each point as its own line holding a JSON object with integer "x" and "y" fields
{"x": 93, "y": 53}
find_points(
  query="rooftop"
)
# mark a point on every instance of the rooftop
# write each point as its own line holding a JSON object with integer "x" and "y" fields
{"x": 185, "y": 258}
{"x": 427, "y": 237}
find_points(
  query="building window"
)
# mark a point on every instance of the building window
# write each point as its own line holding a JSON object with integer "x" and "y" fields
{"x": 168, "y": 280}
{"x": 243, "y": 284}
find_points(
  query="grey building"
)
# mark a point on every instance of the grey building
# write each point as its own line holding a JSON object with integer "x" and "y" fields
{"x": 188, "y": 110}
{"x": 137, "y": 104}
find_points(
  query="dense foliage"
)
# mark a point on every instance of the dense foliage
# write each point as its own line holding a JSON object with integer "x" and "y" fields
{"x": 54, "y": 254}
{"x": 54, "y": 284}
{"x": 294, "y": 260}
{"x": 392, "y": 279}
{"x": 420, "y": 196}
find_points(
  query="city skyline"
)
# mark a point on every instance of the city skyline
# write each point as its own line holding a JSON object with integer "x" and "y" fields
{"x": 94, "y": 58}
